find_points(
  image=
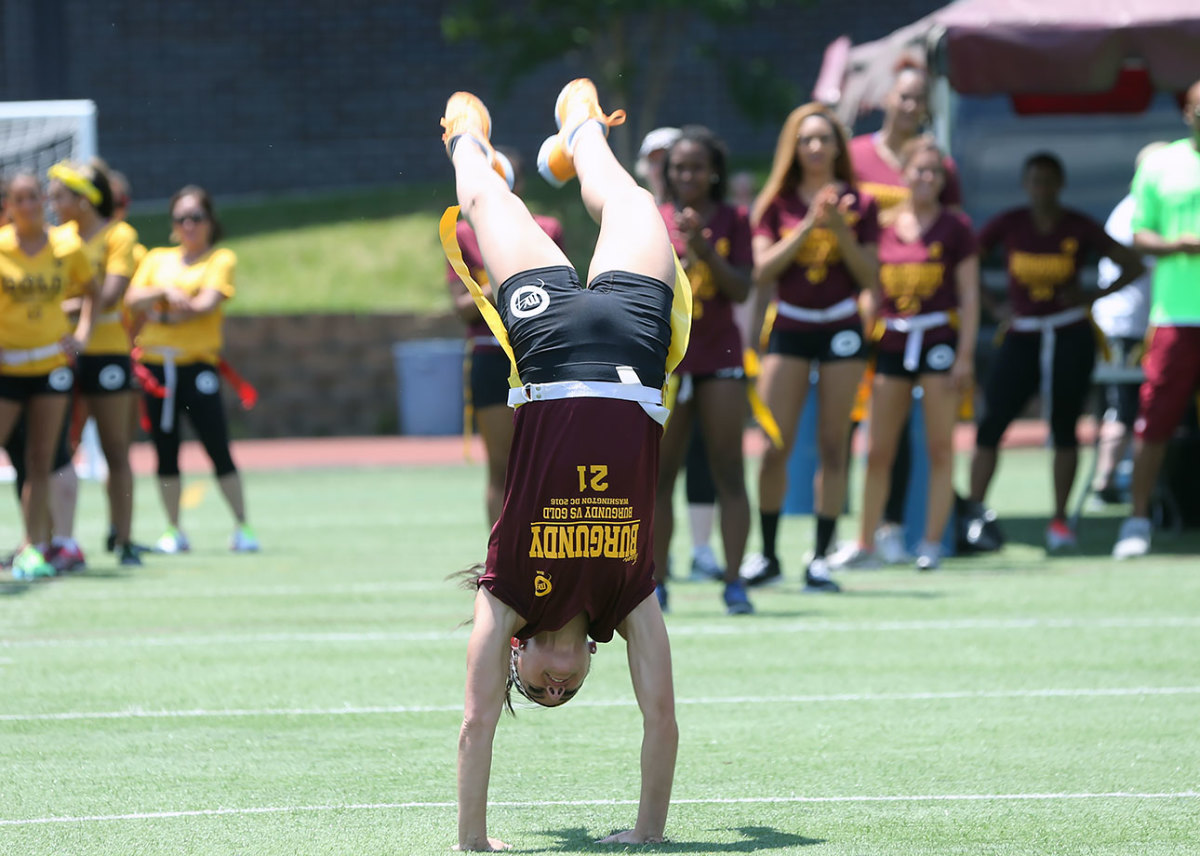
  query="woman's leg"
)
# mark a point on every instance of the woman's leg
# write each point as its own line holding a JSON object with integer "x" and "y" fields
{"x": 633, "y": 236}
{"x": 1013, "y": 380}
{"x": 940, "y": 403}
{"x": 45, "y": 415}
{"x": 1074, "y": 360}
{"x": 783, "y": 384}
{"x": 722, "y": 410}
{"x": 671, "y": 452}
{"x": 496, "y": 428}
{"x": 111, "y": 413}
{"x": 166, "y": 450}
{"x": 206, "y": 412}
{"x": 510, "y": 240}
{"x": 891, "y": 400}
{"x": 836, "y": 394}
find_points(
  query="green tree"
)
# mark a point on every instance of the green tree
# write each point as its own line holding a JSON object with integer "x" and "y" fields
{"x": 631, "y": 48}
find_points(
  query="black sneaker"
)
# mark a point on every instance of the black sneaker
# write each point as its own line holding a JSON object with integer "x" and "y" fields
{"x": 817, "y": 579}
{"x": 129, "y": 555}
{"x": 758, "y": 570}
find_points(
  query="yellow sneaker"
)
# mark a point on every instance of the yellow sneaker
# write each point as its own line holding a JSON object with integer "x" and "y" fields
{"x": 467, "y": 116}
{"x": 576, "y": 105}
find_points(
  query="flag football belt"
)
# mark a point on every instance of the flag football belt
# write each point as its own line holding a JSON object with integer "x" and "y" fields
{"x": 32, "y": 355}
{"x": 1047, "y": 325}
{"x": 915, "y": 328}
{"x": 842, "y": 309}
{"x": 629, "y": 388}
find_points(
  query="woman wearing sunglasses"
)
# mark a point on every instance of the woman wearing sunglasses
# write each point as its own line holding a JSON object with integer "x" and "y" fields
{"x": 182, "y": 290}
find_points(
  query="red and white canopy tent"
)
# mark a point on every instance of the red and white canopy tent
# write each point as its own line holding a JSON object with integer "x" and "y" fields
{"x": 1109, "y": 53}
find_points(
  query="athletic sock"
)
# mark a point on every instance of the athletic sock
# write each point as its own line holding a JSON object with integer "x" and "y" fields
{"x": 769, "y": 522}
{"x": 825, "y": 530}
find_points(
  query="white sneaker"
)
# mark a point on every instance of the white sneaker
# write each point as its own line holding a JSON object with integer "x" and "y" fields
{"x": 705, "y": 566}
{"x": 855, "y": 557}
{"x": 929, "y": 556}
{"x": 1133, "y": 539}
{"x": 172, "y": 541}
{"x": 244, "y": 540}
{"x": 889, "y": 544}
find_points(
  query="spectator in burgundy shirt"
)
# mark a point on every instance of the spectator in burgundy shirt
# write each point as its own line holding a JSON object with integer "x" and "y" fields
{"x": 713, "y": 241}
{"x": 815, "y": 237}
{"x": 928, "y": 322}
{"x": 1049, "y": 345}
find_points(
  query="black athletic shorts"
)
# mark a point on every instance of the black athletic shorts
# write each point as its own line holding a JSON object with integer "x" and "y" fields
{"x": 935, "y": 359}
{"x": 823, "y": 346}
{"x": 560, "y": 330}
{"x": 490, "y": 369}
{"x": 104, "y": 374}
{"x": 21, "y": 388}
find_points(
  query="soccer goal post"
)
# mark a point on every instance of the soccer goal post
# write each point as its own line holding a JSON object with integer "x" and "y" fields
{"x": 35, "y": 135}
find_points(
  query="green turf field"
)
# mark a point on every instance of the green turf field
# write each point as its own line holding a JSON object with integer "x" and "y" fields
{"x": 306, "y": 700}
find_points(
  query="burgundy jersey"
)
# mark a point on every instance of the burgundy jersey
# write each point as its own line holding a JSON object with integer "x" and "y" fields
{"x": 883, "y": 181}
{"x": 1043, "y": 269}
{"x": 575, "y": 531}
{"x": 478, "y": 330}
{"x": 919, "y": 277}
{"x": 818, "y": 278}
{"x": 715, "y": 342}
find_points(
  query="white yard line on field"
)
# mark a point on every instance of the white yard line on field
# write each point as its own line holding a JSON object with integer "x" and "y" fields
{"x": 376, "y": 710}
{"x": 743, "y": 628}
{"x": 764, "y": 800}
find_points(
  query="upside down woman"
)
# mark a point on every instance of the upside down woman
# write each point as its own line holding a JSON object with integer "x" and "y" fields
{"x": 569, "y": 561}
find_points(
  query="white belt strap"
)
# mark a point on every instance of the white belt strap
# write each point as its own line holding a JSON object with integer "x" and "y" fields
{"x": 32, "y": 355}
{"x": 915, "y": 327}
{"x": 1047, "y": 325}
{"x": 166, "y": 422}
{"x": 628, "y": 389}
{"x": 841, "y": 309}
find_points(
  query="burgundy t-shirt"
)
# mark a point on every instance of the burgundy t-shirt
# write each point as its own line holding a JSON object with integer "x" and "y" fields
{"x": 575, "y": 531}
{"x": 919, "y": 277}
{"x": 469, "y": 245}
{"x": 818, "y": 278}
{"x": 715, "y": 341}
{"x": 882, "y": 181}
{"x": 1043, "y": 269}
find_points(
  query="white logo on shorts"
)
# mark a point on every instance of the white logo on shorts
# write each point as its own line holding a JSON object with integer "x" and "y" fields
{"x": 529, "y": 300}
{"x": 845, "y": 343}
{"x": 111, "y": 377}
{"x": 61, "y": 379}
{"x": 940, "y": 357}
{"x": 207, "y": 383}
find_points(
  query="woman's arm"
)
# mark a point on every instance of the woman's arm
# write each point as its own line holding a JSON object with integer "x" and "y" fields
{"x": 771, "y": 258}
{"x": 650, "y": 669}
{"x": 488, "y": 655}
{"x": 966, "y": 276}
{"x": 111, "y": 291}
{"x": 730, "y": 280}
{"x": 1153, "y": 244}
{"x": 184, "y": 307}
{"x": 141, "y": 298}
{"x": 862, "y": 260}
{"x": 87, "y": 319}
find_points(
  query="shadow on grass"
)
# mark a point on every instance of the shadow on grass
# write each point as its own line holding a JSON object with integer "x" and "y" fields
{"x": 14, "y": 588}
{"x": 754, "y": 839}
{"x": 1096, "y": 536}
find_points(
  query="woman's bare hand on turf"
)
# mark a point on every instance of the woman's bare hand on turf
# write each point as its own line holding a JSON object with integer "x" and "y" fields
{"x": 488, "y": 846}
{"x": 631, "y": 836}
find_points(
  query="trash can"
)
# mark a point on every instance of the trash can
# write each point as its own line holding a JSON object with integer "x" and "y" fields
{"x": 429, "y": 377}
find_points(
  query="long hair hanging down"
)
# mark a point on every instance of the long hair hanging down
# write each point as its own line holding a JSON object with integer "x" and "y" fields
{"x": 786, "y": 171}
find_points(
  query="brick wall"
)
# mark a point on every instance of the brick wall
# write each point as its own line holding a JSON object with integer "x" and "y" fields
{"x": 323, "y": 375}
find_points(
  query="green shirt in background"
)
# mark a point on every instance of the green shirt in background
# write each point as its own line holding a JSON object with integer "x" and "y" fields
{"x": 1167, "y": 191}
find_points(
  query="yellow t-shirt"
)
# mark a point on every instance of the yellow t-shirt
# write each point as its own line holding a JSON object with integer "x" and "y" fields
{"x": 32, "y": 289}
{"x": 198, "y": 340}
{"x": 111, "y": 251}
